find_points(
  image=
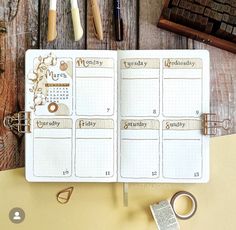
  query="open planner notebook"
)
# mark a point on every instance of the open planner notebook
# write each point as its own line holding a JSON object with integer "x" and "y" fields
{"x": 117, "y": 116}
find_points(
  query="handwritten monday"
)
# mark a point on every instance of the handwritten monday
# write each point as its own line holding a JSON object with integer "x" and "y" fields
{"x": 90, "y": 62}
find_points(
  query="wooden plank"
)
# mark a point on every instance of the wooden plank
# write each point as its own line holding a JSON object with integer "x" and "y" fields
{"x": 19, "y": 31}
{"x": 223, "y": 84}
{"x": 152, "y": 37}
{"x": 19, "y": 21}
{"x": 65, "y": 35}
{"x": 129, "y": 15}
{"x": 198, "y": 35}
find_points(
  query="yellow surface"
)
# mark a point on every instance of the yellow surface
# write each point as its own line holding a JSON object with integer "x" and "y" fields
{"x": 100, "y": 206}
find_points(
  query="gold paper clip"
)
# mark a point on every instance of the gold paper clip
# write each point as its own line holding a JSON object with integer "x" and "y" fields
{"x": 211, "y": 124}
{"x": 19, "y": 123}
{"x": 64, "y": 195}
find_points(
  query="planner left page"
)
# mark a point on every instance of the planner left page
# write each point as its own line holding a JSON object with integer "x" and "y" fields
{"x": 71, "y": 95}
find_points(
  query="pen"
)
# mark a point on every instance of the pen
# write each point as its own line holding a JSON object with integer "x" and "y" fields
{"x": 118, "y": 21}
{"x": 52, "y": 20}
{"x": 97, "y": 19}
{"x": 78, "y": 30}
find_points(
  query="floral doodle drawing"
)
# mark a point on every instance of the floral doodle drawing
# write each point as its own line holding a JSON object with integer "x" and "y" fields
{"x": 38, "y": 77}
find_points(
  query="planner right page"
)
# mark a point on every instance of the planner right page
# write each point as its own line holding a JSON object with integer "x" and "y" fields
{"x": 162, "y": 95}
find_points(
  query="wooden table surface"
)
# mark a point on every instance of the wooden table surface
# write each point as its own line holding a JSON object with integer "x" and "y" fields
{"x": 23, "y": 25}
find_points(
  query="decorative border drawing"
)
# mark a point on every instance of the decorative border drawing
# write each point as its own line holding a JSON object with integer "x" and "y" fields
{"x": 39, "y": 74}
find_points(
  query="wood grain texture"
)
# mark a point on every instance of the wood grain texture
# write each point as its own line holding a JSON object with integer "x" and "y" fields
{"x": 65, "y": 35}
{"x": 223, "y": 63}
{"x": 129, "y": 15}
{"x": 23, "y": 25}
{"x": 19, "y": 18}
{"x": 223, "y": 84}
{"x": 152, "y": 37}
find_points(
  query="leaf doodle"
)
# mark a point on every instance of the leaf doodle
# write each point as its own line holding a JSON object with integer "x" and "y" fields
{"x": 40, "y": 72}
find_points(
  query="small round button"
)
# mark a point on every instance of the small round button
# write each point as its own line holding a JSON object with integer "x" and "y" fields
{"x": 17, "y": 215}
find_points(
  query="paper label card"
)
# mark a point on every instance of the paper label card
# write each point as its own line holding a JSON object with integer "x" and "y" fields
{"x": 94, "y": 148}
{"x": 50, "y": 86}
{"x": 139, "y": 148}
{"x": 182, "y": 87}
{"x": 164, "y": 216}
{"x": 182, "y": 149}
{"x": 140, "y": 87}
{"x": 95, "y": 86}
{"x": 52, "y": 147}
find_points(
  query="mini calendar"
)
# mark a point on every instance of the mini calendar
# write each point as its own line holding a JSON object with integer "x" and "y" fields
{"x": 51, "y": 85}
{"x": 117, "y": 116}
{"x": 58, "y": 93}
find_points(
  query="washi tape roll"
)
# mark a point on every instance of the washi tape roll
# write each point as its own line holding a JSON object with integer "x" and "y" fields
{"x": 177, "y": 196}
